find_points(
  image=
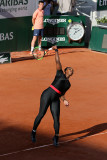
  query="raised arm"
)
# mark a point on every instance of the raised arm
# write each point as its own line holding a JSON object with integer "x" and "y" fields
{"x": 73, "y": 3}
{"x": 52, "y": 7}
{"x": 57, "y": 59}
{"x": 46, "y": 3}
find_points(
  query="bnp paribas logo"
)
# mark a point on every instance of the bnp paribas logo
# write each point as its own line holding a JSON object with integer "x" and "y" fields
{"x": 4, "y": 3}
{"x": 6, "y": 36}
{"x": 54, "y": 21}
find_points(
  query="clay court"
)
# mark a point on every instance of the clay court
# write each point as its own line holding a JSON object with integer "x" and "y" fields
{"x": 83, "y": 125}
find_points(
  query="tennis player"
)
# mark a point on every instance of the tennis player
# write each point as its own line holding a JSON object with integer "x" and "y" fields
{"x": 52, "y": 95}
{"x": 37, "y": 21}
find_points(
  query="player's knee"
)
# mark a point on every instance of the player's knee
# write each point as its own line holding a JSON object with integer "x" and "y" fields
{"x": 34, "y": 38}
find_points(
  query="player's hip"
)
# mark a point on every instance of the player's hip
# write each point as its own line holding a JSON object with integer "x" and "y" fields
{"x": 50, "y": 94}
{"x": 38, "y": 32}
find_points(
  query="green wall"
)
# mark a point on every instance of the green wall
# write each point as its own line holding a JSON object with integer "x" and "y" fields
{"x": 96, "y": 40}
{"x": 15, "y": 34}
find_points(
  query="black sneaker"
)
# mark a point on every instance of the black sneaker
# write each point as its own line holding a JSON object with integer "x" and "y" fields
{"x": 55, "y": 140}
{"x": 33, "y": 136}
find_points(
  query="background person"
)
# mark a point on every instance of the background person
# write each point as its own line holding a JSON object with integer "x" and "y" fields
{"x": 37, "y": 21}
{"x": 48, "y": 7}
{"x": 65, "y": 6}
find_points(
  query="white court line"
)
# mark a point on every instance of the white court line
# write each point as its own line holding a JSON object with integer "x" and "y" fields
{"x": 43, "y": 146}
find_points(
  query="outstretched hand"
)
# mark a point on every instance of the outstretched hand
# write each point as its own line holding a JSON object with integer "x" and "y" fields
{"x": 66, "y": 103}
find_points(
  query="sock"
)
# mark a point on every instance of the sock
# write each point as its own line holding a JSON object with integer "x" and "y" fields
{"x": 39, "y": 48}
{"x": 32, "y": 48}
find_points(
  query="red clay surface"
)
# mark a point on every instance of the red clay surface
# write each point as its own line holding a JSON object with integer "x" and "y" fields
{"x": 21, "y": 84}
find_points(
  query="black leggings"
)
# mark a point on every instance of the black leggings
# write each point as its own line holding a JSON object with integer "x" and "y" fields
{"x": 49, "y": 97}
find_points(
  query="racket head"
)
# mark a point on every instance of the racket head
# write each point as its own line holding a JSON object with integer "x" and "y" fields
{"x": 38, "y": 55}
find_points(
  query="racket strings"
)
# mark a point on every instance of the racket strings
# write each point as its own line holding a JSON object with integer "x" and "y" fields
{"x": 38, "y": 54}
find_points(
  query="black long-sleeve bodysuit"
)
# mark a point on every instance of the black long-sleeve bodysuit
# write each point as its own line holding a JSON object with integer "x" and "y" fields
{"x": 51, "y": 97}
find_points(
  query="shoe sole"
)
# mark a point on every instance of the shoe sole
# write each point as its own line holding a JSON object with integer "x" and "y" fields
{"x": 33, "y": 139}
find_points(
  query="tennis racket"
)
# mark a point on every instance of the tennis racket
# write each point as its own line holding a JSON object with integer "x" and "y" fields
{"x": 39, "y": 54}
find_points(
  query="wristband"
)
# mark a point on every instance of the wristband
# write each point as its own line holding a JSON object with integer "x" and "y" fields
{"x": 56, "y": 50}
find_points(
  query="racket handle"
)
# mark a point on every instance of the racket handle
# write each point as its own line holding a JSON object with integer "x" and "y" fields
{"x": 50, "y": 49}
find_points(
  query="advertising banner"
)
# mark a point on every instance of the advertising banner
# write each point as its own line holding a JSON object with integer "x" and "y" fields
{"x": 17, "y": 8}
{"x": 5, "y": 58}
{"x": 18, "y": 35}
{"x": 16, "y": 24}
{"x": 101, "y": 5}
{"x": 55, "y": 30}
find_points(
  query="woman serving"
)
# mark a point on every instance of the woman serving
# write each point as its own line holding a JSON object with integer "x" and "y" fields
{"x": 51, "y": 97}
